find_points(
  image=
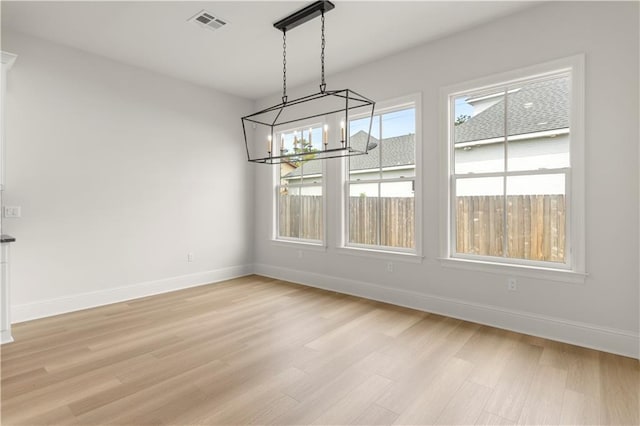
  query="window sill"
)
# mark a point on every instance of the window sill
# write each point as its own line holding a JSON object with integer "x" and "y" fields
{"x": 560, "y": 275}
{"x": 300, "y": 245}
{"x": 381, "y": 254}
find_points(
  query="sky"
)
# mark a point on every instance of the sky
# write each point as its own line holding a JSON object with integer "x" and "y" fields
{"x": 462, "y": 107}
{"x": 396, "y": 123}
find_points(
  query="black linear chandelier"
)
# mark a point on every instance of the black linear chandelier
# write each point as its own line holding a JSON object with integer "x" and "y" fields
{"x": 295, "y": 121}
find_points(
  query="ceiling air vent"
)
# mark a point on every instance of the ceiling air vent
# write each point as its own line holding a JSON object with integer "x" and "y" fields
{"x": 208, "y": 20}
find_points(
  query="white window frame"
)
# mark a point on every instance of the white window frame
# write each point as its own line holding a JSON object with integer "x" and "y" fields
{"x": 573, "y": 270}
{"x": 388, "y": 106}
{"x": 276, "y": 192}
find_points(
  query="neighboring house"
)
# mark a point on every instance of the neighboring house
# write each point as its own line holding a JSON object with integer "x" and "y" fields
{"x": 286, "y": 168}
{"x": 397, "y": 161}
{"x": 538, "y": 135}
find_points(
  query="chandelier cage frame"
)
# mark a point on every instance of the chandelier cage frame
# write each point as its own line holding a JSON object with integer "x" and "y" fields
{"x": 314, "y": 109}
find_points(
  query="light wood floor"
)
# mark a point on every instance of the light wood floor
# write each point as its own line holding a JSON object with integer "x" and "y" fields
{"x": 256, "y": 350}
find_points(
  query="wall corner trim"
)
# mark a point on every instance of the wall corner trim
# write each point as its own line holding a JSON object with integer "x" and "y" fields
{"x": 5, "y": 337}
{"x": 76, "y": 302}
{"x": 7, "y": 59}
{"x": 621, "y": 342}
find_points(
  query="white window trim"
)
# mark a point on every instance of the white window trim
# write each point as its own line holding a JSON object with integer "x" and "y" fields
{"x": 300, "y": 244}
{"x": 276, "y": 239}
{"x": 375, "y": 253}
{"x": 575, "y": 272}
{"x": 390, "y": 105}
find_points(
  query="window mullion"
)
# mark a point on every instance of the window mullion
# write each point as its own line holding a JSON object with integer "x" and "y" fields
{"x": 538, "y": 172}
{"x": 454, "y": 212}
{"x": 388, "y": 180}
{"x": 300, "y": 209}
{"x": 380, "y": 130}
{"x": 478, "y": 175}
{"x": 379, "y": 208}
{"x": 380, "y": 176}
{"x": 505, "y": 227}
{"x": 277, "y": 208}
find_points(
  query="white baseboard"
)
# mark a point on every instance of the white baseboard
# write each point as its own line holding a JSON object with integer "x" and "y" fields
{"x": 616, "y": 341}
{"x": 76, "y": 302}
{"x": 621, "y": 342}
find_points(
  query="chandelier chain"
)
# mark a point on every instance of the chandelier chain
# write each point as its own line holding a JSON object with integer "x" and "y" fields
{"x": 323, "y": 84}
{"x": 284, "y": 66}
{"x": 295, "y": 116}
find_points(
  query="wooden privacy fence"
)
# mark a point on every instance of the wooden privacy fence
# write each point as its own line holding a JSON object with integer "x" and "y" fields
{"x": 397, "y": 224}
{"x": 535, "y": 223}
{"x": 300, "y": 216}
{"x": 535, "y": 226}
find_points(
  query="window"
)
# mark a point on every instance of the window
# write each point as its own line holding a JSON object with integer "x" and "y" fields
{"x": 513, "y": 154}
{"x": 381, "y": 186}
{"x": 300, "y": 201}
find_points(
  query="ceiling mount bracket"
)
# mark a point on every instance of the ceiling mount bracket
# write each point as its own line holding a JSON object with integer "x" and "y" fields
{"x": 303, "y": 15}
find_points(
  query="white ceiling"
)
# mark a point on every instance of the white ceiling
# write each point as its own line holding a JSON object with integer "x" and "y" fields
{"x": 245, "y": 57}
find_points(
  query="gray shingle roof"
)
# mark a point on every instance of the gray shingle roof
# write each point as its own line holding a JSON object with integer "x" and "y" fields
{"x": 536, "y": 107}
{"x": 397, "y": 151}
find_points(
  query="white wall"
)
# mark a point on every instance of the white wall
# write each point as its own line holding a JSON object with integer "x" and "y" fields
{"x": 120, "y": 173}
{"x": 602, "y": 312}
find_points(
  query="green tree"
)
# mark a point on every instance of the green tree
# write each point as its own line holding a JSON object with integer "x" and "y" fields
{"x": 306, "y": 151}
{"x": 461, "y": 119}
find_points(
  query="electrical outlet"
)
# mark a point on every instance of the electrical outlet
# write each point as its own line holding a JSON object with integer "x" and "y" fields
{"x": 189, "y": 257}
{"x": 12, "y": 211}
{"x": 389, "y": 266}
{"x": 512, "y": 284}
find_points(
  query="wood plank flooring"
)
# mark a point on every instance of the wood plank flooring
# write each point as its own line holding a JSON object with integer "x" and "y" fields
{"x": 260, "y": 351}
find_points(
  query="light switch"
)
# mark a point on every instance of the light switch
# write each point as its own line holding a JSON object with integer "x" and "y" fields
{"x": 12, "y": 211}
